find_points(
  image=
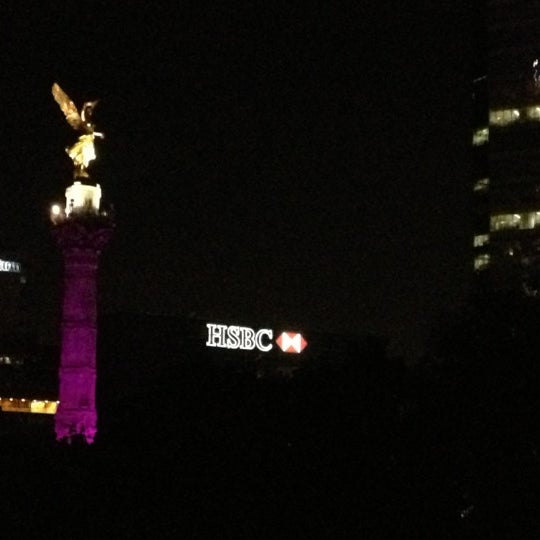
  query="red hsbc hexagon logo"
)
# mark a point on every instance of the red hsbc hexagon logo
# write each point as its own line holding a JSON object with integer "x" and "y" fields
{"x": 291, "y": 342}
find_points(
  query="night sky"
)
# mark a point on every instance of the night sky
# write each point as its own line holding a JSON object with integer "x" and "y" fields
{"x": 269, "y": 164}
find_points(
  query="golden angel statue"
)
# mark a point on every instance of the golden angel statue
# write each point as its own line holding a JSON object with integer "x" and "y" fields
{"x": 83, "y": 151}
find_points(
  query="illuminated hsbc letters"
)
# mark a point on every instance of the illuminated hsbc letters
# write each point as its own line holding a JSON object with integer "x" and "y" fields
{"x": 238, "y": 337}
{"x": 247, "y": 339}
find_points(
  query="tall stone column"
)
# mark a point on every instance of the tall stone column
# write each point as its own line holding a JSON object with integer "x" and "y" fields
{"x": 81, "y": 238}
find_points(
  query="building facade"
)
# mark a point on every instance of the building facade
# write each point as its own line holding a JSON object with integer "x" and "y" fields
{"x": 506, "y": 146}
{"x": 12, "y": 282}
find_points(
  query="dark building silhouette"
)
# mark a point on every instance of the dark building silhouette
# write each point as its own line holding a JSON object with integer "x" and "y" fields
{"x": 12, "y": 282}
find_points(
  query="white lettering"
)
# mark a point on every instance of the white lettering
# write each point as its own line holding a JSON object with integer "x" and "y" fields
{"x": 258, "y": 340}
{"x": 9, "y": 266}
{"x": 248, "y": 339}
{"x": 238, "y": 337}
{"x": 216, "y": 335}
{"x": 233, "y": 337}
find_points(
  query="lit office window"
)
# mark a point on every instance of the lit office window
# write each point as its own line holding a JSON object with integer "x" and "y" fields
{"x": 524, "y": 220}
{"x": 505, "y": 221}
{"x": 480, "y": 136}
{"x": 481, "y": 185}
{"x": 481, "y": 261}
{"x": 503, "y": 117}
{"x": 533, "y": 113}
{"x": 481, "y": 240}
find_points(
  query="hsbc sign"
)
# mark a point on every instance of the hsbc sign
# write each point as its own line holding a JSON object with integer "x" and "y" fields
{"x": 238, "y": 337}
{"x": 248, "y": 339}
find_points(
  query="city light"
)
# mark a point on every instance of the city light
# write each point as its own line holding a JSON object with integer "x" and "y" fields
{"x": 23, "y": 405}
{"x": 57, "y": 213}
{"x": 10, "y": 266}
{"x": 245, "y": 338}
{"x": 238, "y": 337}
{"x": 291, "y": 342}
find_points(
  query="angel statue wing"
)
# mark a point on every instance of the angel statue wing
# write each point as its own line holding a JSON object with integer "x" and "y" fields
{"x": 68, "y": 107}
{"x": 83, "y": 151}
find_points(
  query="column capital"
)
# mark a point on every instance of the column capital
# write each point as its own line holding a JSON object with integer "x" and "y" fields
{"x": 83, "y": 233}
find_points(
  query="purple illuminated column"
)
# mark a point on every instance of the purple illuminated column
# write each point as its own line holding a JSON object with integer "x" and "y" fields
{"x": 81, "y": 239}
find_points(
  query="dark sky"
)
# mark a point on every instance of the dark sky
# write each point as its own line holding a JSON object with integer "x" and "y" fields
{"x": 268, "y": 164}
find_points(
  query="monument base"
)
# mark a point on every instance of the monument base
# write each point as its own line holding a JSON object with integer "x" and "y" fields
{"x": 72, "y": 423}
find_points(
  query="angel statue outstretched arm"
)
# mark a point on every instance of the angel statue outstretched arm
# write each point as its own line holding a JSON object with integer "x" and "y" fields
{"x": 83, "y": 151}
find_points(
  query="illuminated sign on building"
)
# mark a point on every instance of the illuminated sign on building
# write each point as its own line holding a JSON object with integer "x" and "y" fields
{"x": 10, "y": 266}
{"x": 247, "y": 339}
{"x": 238, "y": 337}
{"x": 291, "y": 342}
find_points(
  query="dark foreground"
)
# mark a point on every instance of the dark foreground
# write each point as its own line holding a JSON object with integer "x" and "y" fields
{"x": 360, "y": 447}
